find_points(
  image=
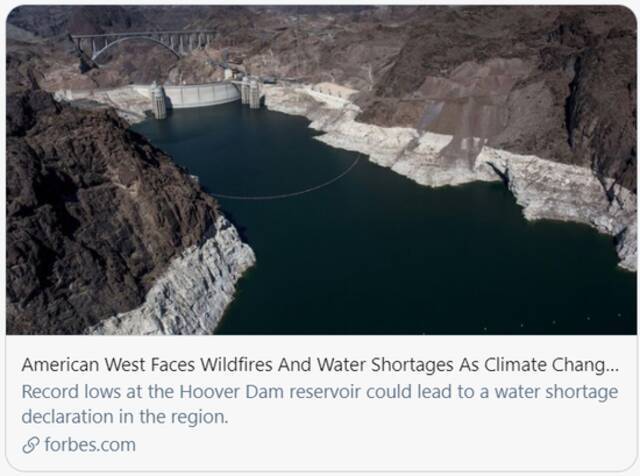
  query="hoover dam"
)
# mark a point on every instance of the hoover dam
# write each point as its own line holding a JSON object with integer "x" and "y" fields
{"x": 251, "y": 179}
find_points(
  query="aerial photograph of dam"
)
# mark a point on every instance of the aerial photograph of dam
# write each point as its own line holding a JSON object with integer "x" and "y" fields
{"x": 176, "y": 169}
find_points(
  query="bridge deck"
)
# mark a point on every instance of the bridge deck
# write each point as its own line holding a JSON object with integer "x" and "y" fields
{"x": 142, "y": 33}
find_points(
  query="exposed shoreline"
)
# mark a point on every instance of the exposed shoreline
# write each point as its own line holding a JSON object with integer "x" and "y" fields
{"x": 544, "y": 188}
{"x": 193, "y": 293}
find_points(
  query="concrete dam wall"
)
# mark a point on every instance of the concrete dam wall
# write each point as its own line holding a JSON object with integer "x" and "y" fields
{"x": 196, "y": 95}
{"x": 134, "y": 99}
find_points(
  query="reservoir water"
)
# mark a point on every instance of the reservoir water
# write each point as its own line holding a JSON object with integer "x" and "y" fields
{"x": 375, "y": 253}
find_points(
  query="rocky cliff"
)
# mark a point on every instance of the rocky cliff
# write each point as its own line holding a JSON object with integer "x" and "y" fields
{"x": 96, "y": 216}
{"x": 542, "y": 98}
{"x": 192, "y": 294}
{"x": 546, "y": 189}
{"x": 558, "y": 82}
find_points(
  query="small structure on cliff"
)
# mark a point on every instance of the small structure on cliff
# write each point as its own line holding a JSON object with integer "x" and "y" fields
{"x": 158, "y": 103}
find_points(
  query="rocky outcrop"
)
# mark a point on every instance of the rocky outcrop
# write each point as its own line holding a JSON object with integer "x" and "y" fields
{"x": 555, "y": 82}
{"x": 558, "y": 82}
{"x": 601, "y": 108}
{"x": 95, "y": 217}
{"x": 137, "y": 61}
{"x": 53, "y": 20}
{"x": 542, "y": 98}
{"x": 545, "y": 189}
{"x": 192, "y": 294}
{"x": 551, "y": 111}
{"x": 129, "y": 102}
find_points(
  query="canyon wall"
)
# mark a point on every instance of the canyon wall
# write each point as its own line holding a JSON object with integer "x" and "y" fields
{"x": 97, "y": 216}
{"x": 545, "y": 189}
{"x": 101, "y": 225}
{"x": 193, "y": 293}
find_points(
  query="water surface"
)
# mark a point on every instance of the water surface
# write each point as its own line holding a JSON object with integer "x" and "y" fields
{"x": 375, "y": 253}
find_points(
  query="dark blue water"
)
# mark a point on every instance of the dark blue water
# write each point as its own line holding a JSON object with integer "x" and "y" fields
{"x": 375, "y": 253}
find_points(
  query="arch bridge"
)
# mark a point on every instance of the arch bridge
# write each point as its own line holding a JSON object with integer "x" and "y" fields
{"x": 178, "y": 42}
